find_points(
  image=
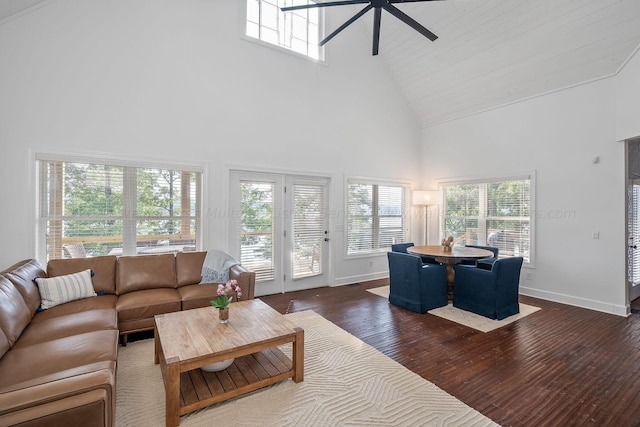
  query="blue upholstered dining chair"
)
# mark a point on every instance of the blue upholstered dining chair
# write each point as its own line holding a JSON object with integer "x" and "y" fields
{"x": 484, "y": 263}
{"x": 490, "y": 293}
{"x": 402, "y": 247}
{"x": 415, "y": 286}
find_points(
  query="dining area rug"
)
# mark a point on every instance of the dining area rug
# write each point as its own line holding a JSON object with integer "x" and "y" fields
{"x": 346, "y": 382}
{"x": 466, "y": 318}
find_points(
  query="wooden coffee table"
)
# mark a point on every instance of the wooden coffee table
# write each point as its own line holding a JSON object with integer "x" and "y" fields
{"x": 187, "y": 340}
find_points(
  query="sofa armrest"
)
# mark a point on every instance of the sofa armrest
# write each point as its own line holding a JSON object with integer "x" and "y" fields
{"x": 246, "y": 280}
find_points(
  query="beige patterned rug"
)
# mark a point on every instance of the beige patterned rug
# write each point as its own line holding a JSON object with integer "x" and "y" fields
{"x": 467, "y": 318}
{"x": 346, "y": 383}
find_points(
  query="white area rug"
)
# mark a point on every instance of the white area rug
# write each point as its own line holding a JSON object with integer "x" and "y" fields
{"x": 346, "y": 383}
{"x": 467, "y": 318}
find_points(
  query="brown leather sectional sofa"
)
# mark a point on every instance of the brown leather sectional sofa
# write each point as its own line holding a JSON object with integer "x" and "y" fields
{"x": 58, "y": 366}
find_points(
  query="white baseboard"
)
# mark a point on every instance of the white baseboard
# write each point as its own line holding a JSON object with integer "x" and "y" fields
{"x": 349, "y": 280}
{"x": 619, "y": 310}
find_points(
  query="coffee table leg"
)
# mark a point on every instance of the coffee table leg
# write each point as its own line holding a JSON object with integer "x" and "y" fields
{"x": 172, "y": 391}
{"x": 298, "y": 356}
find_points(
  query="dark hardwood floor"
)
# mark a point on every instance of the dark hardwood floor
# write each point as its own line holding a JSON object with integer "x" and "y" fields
{"x": 560, "y": 366}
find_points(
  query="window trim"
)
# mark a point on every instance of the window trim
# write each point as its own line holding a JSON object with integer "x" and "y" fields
{"x": 515, "y": 176}
{"x": 407, "y": 217}
{"x": 37, "y": 155}
{"x": 242, "y": 30}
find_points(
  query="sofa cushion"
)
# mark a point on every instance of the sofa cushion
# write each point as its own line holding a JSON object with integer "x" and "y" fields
{"x": 103, "y": 267}
{"x": 189, "y": 267}
{"x": 147, "y": 303}
{"x": 58, "y": 290}
{"x": 68, "y": 325}
{"x": 197, "y": 296}
{"x": 14, "y": 313}
{"x": 136, "y": 273}
{"x": 22, "y": 275}
{"x": 51, "y": 358}
{"x": 78, "y": 306}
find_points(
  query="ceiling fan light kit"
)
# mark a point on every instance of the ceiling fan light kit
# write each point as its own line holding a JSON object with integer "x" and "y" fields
{"x": 378, "y": 6}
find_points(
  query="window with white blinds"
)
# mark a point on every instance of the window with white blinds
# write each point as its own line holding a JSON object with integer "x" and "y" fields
{"x": 257, "y": 228}
{"x": 297, "y": 31}
{"x": 377, "y": 216}
{"x": 94, "y": 208}
{"x": 495, "y": 213}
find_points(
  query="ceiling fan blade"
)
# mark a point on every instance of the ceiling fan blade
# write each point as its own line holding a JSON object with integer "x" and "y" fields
{"x": 346, "y": 24}
{"x": 376, "y": 30}
{"x": 409, "y": 21}
{"x": 329, "y": 3}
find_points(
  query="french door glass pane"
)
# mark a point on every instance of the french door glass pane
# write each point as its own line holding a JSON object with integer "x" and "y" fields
{"x": 308, "y": 230}
{"x": 256, "y": 228}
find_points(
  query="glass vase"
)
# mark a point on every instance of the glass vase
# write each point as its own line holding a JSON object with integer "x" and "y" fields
{"x": 223, "y": 314}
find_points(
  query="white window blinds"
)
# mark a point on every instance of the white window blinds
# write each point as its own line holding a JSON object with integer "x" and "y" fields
{"x": 89, "y": 208}
{"x": 308, "y": 229}
{"x": 496, "y": 213}
{"x": 376, "y": 216}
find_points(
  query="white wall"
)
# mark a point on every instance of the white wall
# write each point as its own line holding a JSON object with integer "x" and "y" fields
{"x": 557, "y": 135}
{"x": 628, "y": 99}
{"x": 174, "y": 80}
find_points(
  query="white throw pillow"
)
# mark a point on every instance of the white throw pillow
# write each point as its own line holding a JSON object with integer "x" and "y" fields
{"x": 61, "y": 289}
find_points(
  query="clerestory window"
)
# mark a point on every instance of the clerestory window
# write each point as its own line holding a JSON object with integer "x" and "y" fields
{"x": 93, "y": 208}
{"x": 297, "y": 31}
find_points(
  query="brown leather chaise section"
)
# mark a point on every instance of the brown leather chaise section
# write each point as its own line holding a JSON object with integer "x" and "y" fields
{"x": 59, "y": 367}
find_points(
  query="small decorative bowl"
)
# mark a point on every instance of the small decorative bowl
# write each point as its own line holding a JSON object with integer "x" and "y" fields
{"x": 218, "y": 366}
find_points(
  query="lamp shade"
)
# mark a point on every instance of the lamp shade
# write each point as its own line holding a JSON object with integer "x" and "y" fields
{"x": 426, "y": 197}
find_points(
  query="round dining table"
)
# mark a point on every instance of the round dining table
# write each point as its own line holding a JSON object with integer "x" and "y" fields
{"x": 449, "y": 258}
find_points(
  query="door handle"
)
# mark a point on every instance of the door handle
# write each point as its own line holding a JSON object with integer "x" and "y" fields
{"x": 326, "y": 239}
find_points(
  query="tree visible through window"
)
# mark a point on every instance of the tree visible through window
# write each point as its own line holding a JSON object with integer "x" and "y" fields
{"x": 118, "y": 210}
{"x": 298, "y": 30}
{"x": 496, "y": 214}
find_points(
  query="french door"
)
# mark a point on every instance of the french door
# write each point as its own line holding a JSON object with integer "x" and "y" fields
{"x": 280, "y": 230}
{"x": 633, "y": 219}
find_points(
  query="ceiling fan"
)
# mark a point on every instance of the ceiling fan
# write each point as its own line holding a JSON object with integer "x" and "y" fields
{"x": 377, "y": 5}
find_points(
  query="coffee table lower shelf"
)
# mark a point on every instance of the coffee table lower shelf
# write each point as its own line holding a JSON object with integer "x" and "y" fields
{"x": 199, "y": 389}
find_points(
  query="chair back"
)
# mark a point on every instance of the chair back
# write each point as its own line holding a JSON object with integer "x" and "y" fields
{"x": 403, "y": 268}
{"x": 401, "y": 247}
{"x": 74, "y": 250}
{"x": 508, "y": 268}
{"x": 488, "y": 248}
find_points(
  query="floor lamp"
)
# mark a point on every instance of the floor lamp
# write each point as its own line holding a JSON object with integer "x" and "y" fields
{"x": 426, "y": 198}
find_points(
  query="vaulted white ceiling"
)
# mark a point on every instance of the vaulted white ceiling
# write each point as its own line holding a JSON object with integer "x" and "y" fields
{"x": 491, "y": 52}
{"x": 494, "y": 52}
